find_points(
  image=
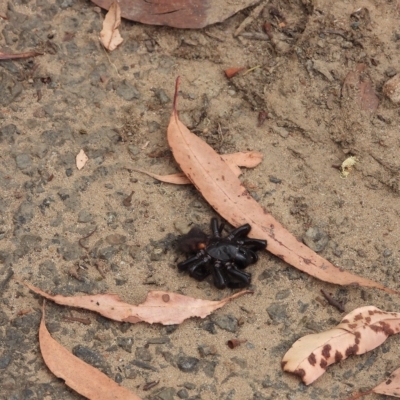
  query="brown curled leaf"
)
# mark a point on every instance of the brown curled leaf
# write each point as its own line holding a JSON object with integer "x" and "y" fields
{"x": 191, "y": 14}
{"x": 248, "y": 159}
{"x": 360, "y": 331}
{"x": 79, "y": 376}
{"x": 110, "y": 37}
{"x": 160, "y": 307}
{"x": 225, "y": 193}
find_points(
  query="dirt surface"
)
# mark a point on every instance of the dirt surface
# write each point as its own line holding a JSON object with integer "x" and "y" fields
{"x": 116, "y": 107}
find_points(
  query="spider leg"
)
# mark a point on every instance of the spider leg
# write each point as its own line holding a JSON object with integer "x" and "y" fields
{"x": 239, "y": 232}
{"x": 220, "y": 281}
{"x": 215, "y": 229}
{"x": 255, "y": 244}
{"x": 199, "y": 271}
{"x": 241, "y": 279}
{"x": 184, "y": 265}
{"x": 245, "y": 257}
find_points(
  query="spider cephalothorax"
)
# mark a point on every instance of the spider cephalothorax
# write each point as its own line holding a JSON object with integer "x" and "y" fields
{"x": 222, "y": 257}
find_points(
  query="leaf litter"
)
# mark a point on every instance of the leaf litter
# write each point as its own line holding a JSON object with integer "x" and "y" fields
{"x": 389, "y": 387}
{"x": 360, "y": 331}
{"x": 160, "y": 307}
{"x": 215, "y": 180}
{"x": 192, "y": 14}
{"x": 78, "y": 375}
{"x": 248, "y": 159}
{"x": 110, "y": 37}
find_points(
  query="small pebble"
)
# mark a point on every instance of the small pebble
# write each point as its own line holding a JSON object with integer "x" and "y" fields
{"x": 392, "y": 89}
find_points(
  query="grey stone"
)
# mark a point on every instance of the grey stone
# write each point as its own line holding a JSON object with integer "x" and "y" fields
{"x": 8, "y": 133}
{"x": 115, "y": 239}
{"x": 107, "y": 253}
{"x": 316, "y": 239}
{"x": 162, "y": 96}
{"x": 24, "y": 213}
{"x": 159, "y": 340}
{"x": 188, "y": 364}
{"x": 47, "y": 268}
{"x": 239, "y": 361}
{"x": 40, "y": 150}
{"x": 70, "y": 251}
{"x": 133, "y": 150}
{"x": 390, "y": 72}
{"x": 153, "y": 126}
{"x": 282, "y": 294}
{"x": 84, "y": 216}
{"x": 5, "y": 360}
{"x": 277, "y": 312}
{"x": 387, "y": 253}
{"x": 280, "y": 131}
{"x": 143, "y": 354}
{"x": 3, "y": 318}
{"x": 209, "y": 326}
{"x": 127, "y": 91}
{"x": 125, "y": 343}
{"x": 130, "y": 372}
{"x": 227, "y": 322}
{"x": 92, "y": 357}
{"x": 189, "y": 385}
{"x": 70, "y": 199}
{"x": 205, "y": 350}
{"x": 208, "y": 367}
{"x": 27, "y": 244}
{"x": 23, "y": 161}
{"x": 183, "y": 394}
{"x": 165, "y": 394}
{"x": 143, "y": 365}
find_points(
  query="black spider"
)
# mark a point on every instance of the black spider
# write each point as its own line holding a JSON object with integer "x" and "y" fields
{"x": 224, "y": 258}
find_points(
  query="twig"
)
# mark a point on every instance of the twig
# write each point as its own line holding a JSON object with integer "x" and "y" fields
{"x": 332, "y": 301}
{"x": 150, "y": 385}
{"x": 3, "y": 284}
{"x": 109, "y": 60}
{"x": 85, "y": 237}
{"x": 358, "y": 395}
{"x": 5, "y": 56}
{"x": 255, "y": 36}
{"x": 251, "y": 69}
{"x": 253, "y": 15}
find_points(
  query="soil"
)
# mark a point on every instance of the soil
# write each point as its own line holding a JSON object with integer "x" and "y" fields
{"x": 116, "y": 107}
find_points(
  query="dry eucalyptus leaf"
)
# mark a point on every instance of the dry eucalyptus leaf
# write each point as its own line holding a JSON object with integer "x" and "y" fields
{"x": 110, "y": 37}
{"x": 249, "y": 159}
{"x": 215, "y": 180}
{"x": 362, "y": 330}
{"x": 391, "y": 386}
{"x": 81, "y": 159}
{"x": 191, "y": 14}
{"x": 160, "y": 307}
{"x": 360, "y": 90}
{"x": 79, "y": 376}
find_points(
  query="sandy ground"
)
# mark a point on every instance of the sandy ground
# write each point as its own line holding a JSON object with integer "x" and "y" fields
{"x": 116, "y": 107}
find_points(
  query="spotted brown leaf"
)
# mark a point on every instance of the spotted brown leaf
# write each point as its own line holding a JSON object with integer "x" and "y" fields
{"x": 362, "y": 330}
